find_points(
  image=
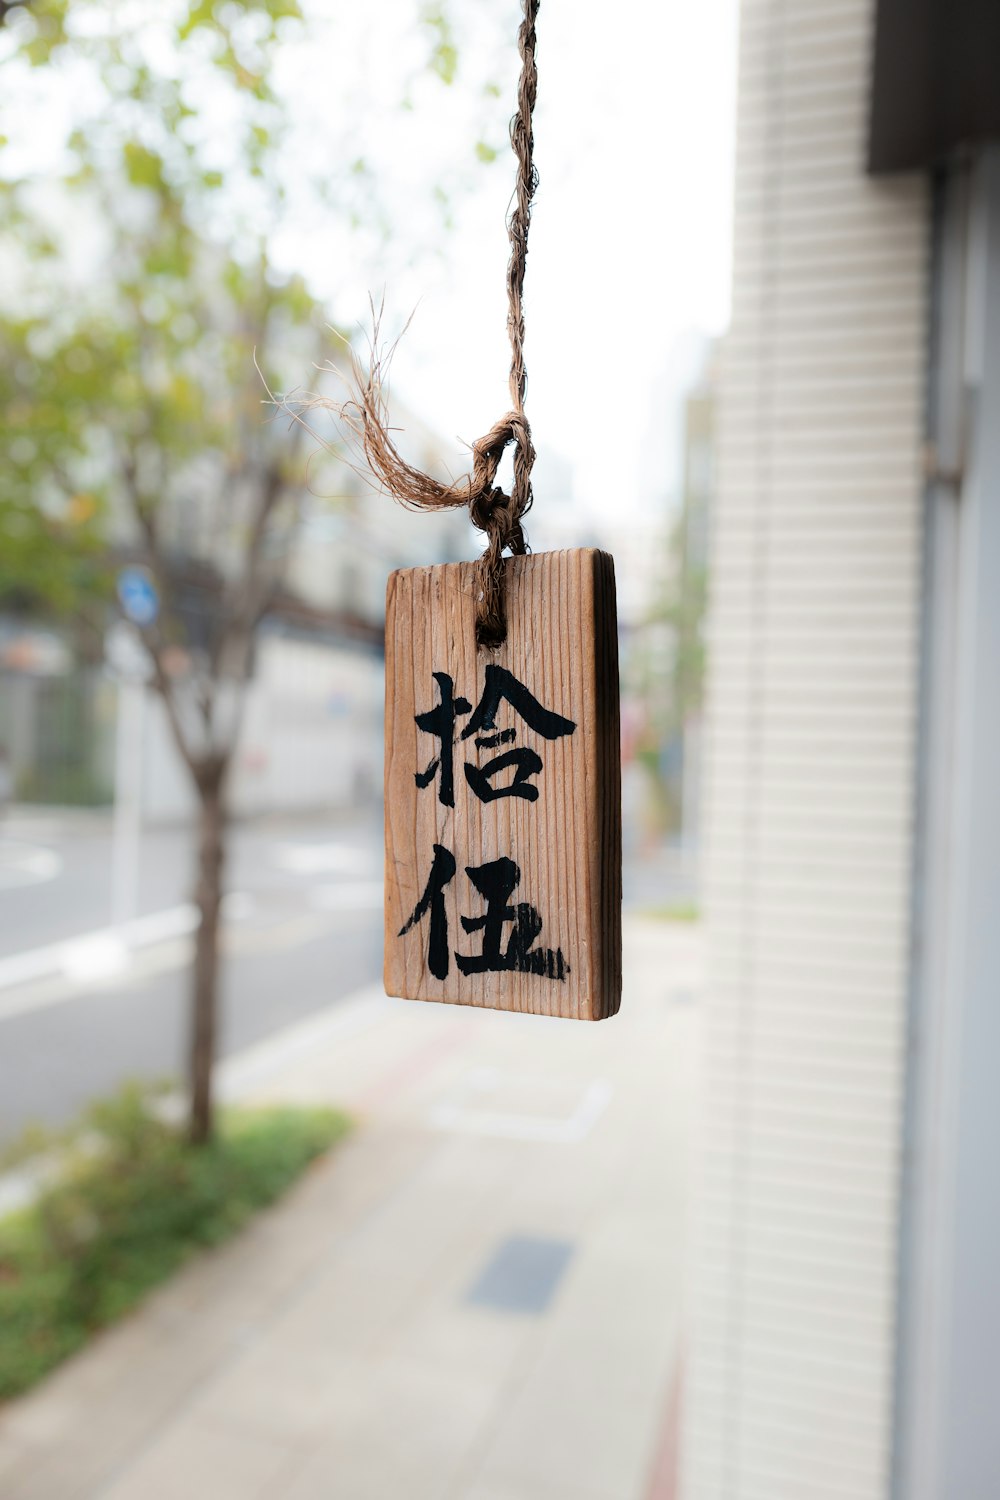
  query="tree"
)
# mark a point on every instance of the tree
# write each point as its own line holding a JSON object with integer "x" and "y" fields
{"x": 142, "y": 301}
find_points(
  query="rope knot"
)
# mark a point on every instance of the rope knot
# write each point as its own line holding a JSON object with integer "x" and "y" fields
{"x": 492, "y": 510}
{"x": 498, "y": 516}
{"x": 494, "y": 513}
{"x": 483, "y": 509}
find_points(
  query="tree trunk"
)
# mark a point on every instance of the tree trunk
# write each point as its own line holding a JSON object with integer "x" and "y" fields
{"x": 204, "y": 997}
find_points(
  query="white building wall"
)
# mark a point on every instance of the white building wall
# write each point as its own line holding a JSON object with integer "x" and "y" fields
{"x": 815, "y": 577}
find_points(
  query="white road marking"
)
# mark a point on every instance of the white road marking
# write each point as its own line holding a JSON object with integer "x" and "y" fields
{"x": 322, "y": 859}
{"x": 293, "y": 932}
{"x": 568, "y": 1131}
{"x": 26, "y": 864}
{"x": 103, "y": 955}
{"x": 83, "y": 956}
{"x": 357, "y": 895}
{"x": 239, "y": 906}
{"x": 110, "y": 953}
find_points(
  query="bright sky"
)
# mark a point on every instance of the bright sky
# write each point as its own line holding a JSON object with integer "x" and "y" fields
{"x": 630, "y": 239}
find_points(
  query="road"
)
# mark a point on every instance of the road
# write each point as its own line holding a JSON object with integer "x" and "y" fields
{"x": 303, "y": 929}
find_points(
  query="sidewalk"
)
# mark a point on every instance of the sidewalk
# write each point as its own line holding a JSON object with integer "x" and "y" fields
{"x": 477, "y": 1298}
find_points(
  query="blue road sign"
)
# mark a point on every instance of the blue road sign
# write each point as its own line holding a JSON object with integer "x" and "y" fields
{"x": 137, "y": 596}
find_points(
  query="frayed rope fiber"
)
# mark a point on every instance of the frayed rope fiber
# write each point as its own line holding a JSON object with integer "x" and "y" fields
{"x": 494, "y": 512}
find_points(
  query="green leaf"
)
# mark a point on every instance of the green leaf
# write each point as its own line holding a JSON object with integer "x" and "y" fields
{"x": 202, "y": 13}
{"x": 49, "y": 31}
{"x": 444, "y": 61}
{"x": 444, "y": 56}
{"x": 144, "y": 168}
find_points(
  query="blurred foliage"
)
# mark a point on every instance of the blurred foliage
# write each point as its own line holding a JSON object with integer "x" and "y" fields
{"x": 665, "y": 671}
{"x": 68, "y": 786}
{"x": 133, "y": 1200}
{"x": 683, "y": 911}
{"x": 143, "y": 326}
{"x": 678, "y": 616}
{"x": 34, "y": 1141}
{"x": 444, "y": 53}
{"x": 142, "y": 289}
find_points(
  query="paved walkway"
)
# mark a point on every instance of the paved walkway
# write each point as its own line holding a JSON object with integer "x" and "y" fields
{"x": 477, "y": 1298}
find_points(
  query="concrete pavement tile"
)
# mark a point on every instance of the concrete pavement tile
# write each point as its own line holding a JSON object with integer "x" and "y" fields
{"x": 198, "y": 1459}
{"x": 14, "y": 1456}
{"x": 585, "y": 1415}
{"x": 617, "y": 1298}
{"x": 400, "y": 1255}
{"x": 491, "y": 1489}
{"x": 455, "y": 1339}
{"x": 411, "y": 1441}
{"x": 414, "y": 1296}
{"x": 286, "y": 1395}
{"x": 59, "y": 1477}
{"x": 375, "y": 1069}
{"x": 72, "y": 1435}
{"x": 101, "y": 1405}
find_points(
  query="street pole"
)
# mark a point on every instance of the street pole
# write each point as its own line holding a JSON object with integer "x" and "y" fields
{"x": 127, "y": 822}
{"x": 140, "y": 606}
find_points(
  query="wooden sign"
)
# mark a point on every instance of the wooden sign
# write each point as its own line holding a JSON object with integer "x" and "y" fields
{"x": 502, "y": 790}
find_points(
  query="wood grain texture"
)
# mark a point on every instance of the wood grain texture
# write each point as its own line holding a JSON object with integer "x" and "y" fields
{"x": 562, "y": 645}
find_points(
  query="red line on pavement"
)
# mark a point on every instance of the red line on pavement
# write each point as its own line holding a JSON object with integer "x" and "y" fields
{"x": 664, "y": 1476}
{"x": 415, "y": 1065}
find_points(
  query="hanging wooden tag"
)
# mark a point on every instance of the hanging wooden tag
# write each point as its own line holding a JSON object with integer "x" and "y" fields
{"x": 502, "y": 790}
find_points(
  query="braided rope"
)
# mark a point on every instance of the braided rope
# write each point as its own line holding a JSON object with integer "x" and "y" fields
{"x": 494, "y": 512}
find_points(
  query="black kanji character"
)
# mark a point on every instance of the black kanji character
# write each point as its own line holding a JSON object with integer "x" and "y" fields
{"x": 442, "y": 871}
{"x": 496, "y": 882}
{"x": 440, "y": 721}
{"x": 527, "y": 763}
{"x": 501, "y": 684}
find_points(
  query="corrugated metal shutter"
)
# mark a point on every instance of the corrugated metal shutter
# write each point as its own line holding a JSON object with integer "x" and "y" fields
{"x": 809, "y": 780}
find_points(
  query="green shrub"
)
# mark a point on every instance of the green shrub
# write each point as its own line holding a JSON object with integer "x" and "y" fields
{"x": 134, "y": 1201}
